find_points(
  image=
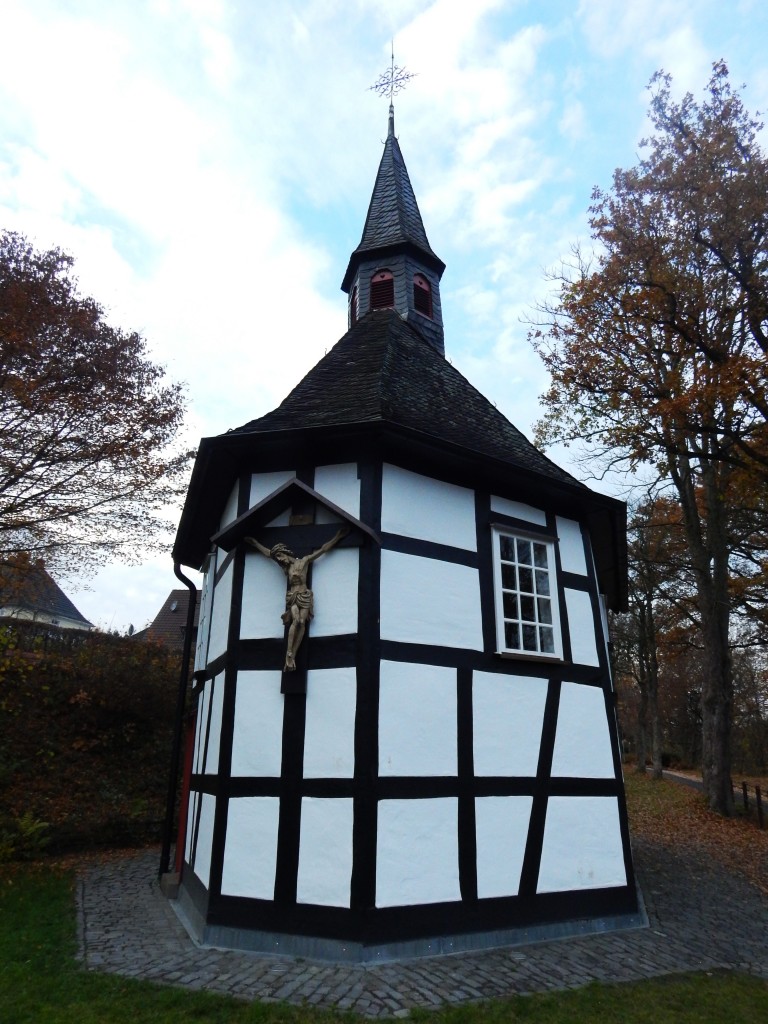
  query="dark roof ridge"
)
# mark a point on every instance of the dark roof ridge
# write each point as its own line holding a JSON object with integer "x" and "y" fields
{"x": 382, "y": 370}
{"x": 386, "y": 365}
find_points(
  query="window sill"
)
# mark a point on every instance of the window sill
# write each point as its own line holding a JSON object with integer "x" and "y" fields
{"x": 554, "y": 659}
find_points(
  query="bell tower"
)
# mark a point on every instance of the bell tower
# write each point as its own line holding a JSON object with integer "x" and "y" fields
{"x": 394, "y": 266}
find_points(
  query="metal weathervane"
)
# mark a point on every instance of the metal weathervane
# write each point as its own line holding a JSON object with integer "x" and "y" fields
{"x": 393, "y": 80}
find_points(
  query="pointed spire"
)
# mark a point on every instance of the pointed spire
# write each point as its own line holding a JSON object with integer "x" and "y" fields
{"x": 394, "y": 266}
{"x": 393, "y": 220}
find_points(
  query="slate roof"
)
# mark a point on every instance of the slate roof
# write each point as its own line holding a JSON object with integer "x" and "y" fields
{"x": 393, "y": 220}
{"x": 383, "y": 371}
{"x": 31, "y": 588}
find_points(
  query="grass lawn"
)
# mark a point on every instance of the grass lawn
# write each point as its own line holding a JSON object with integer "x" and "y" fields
{"x": 42, "y": 983}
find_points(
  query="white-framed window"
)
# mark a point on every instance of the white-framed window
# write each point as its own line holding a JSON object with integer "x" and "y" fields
{"x": 525, "y": 584}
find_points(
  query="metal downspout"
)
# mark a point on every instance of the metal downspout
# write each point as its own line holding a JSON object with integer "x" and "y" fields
{"x": 178, "y": 724}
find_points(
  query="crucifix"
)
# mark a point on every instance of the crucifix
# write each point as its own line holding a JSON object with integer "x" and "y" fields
{"x": 299, "y": 599}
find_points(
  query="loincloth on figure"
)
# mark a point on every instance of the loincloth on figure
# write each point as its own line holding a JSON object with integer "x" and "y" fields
{"x": 301, "y": 598}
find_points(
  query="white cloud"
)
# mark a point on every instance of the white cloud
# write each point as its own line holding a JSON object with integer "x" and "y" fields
{"x": 573, "y": 121}
{"x": 209, "y": 164}
{"x": 616, "y": 27}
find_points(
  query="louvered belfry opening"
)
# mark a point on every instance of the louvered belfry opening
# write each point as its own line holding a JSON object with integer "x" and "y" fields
{"x": 422, "y": 295}
{"x": 382, "y": 290}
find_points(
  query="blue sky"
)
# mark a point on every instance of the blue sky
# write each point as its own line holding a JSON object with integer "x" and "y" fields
{"x": 209, "y": 164}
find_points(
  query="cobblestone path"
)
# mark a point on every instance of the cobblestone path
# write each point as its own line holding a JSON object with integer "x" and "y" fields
{"x": 702, "y": 917}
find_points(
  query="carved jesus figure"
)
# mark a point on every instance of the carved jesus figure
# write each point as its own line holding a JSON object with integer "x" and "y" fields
{"x": 299, "y": 600}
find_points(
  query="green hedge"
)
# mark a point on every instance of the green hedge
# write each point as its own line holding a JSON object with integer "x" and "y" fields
{"x": 86, "y": 725}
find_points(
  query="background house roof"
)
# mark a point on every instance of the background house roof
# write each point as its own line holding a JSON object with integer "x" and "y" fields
{"x": 169, "y": 624}
{"x": 29, "y": 587}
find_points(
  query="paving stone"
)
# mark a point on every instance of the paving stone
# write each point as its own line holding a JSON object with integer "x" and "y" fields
{"x": 702, "y": 917}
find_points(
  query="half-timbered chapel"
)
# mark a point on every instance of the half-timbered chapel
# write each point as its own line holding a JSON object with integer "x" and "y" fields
{"x": 405, "y": 737}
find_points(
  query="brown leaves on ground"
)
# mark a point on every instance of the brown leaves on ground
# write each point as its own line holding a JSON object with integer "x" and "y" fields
{"x": 676, "y": 816}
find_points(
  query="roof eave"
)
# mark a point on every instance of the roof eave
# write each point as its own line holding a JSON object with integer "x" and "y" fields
{"x": 221, "y": 459}
{"x": 382, "y": 252}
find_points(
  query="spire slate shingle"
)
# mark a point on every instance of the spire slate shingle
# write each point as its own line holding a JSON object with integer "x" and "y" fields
{"x": 393, "y": 220}
{"x": 393, "y": 213}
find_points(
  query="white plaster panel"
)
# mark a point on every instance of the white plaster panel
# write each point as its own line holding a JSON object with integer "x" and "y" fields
{"x": 334, "y": 584}
{"x": 257, "y": 739}
{"x": 572, "y": 557}
{"x": 200, "y": 724}
{"x": 583, "y": 739}
{"x": 263, "y": 484}
{"x": 581, "y": 627}
{"x": 518, "y": 510}
{"x": 211, "y": 765}
{"x": 582, "y": 844}
{"x": 325, "y": 852}
{"x": 329, "y": 736}
{"x": 413, "y": 505}
{"x": 501, "y": 824}
{"x": 417, "y": 720}
{"x": 202, "y": 865}
{"x": 417, "y": 853}
{"x": 204, "y": 617}
{"x": 263, "y": 598}
{"x": 250, "y": 852}
{"x": 507, "y": 719}
{"x": 340, "y": 485}
{"x": 222, "y": 602}
{"x": 230, "y": 509}
{"x": 426, "y": 601}
{"x": 604, "y": 625}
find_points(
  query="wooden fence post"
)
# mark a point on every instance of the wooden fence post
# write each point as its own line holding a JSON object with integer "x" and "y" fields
{"x": 745, "y": 795}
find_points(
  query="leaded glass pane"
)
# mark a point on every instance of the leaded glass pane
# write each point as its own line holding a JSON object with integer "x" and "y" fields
{"x": 524, "y": 552}
{"x": 529, "y": 638}
{"x": 526, "y": 580}
{"x": 508, "y": 577}
{"x": 547, "y": 640}
{"x": 542, "y": 583}
{"x": 540, "y": 556}
{"x": 510, "y": 606}
{"x": 507, "y": 545}
{"x": 512, "y": 635}
{"x": 527, "y": 609}
{"x": 545, "y": 610}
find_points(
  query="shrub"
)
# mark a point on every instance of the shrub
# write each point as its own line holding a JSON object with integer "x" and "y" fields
{"x": 85, "y": 737}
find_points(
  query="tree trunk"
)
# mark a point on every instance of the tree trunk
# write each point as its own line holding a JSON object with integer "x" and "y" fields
{"x": 652, "y": 685}
{"x": 708, "y": 542}
{"x": 642, "y": 718}
{"x": 653, "y": 714}
{"x": 716, "y": 704}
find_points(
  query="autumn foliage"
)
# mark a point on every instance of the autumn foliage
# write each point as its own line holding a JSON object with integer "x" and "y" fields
{"x": 656, "y": 349}
{"x": 88, "y": 423}
{"x": 657, "y": 354}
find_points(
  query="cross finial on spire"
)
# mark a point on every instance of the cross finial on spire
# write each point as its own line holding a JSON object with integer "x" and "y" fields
{"x": 393, "y": 80}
